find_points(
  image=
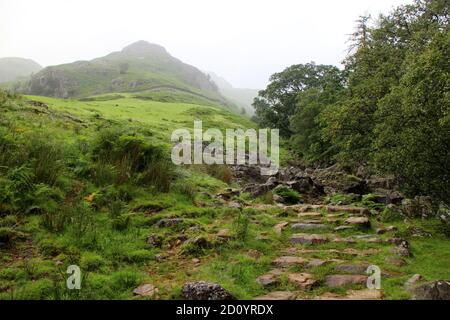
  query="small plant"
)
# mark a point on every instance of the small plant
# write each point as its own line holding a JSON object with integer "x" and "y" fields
{"x": 288, "y": 195}
{"x": 241, "y": 223}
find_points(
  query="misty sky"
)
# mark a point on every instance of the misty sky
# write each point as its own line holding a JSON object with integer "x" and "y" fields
{"x": 244, "y": 41}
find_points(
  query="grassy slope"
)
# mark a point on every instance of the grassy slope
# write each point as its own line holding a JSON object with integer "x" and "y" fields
{"x": 115, "y": 261}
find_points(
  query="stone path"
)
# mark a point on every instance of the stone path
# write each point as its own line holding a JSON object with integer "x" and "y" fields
{"x": 317, "y": 226}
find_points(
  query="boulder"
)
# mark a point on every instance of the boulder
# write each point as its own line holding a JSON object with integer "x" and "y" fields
{"x": 437, "y": 290}
{"x": 202, "y": 290}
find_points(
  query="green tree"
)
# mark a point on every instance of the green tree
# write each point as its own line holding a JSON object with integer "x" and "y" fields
{"x": 278, "y": 102}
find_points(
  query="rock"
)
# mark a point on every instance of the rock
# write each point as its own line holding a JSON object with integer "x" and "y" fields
{"x": 349, "y": 209}
{"x": 202, "y": 290}
{"x": 169, "y": 222}
{"x": 310, "y": 215}
{"x": 316, "y": 263}
{"x": 280, "y": 226}
{"x": 288, "y": 261}
{"x": 347, "y": 240}
{"x": 309, "y": 227}
{"x": 255, "y": 254}
{"x": 386, "y": 230}
{"x": 396, "y": 240}
{"x": 145, "y": 290}
{"x": 335, "y": 281}
{"x": 364, "y": 294}
{"x": 437, "y": 290}
{"x": 302, "y": 280}
{"x": 396, "y": 261}
{"x": 418, "y": 232}
{"x": 268, "y": 280}
{"x": 308, "y": 239}
{"x": 358, "y": 221}
{"x": 155, "y": 241}
{"x": 343, "y": 228}
{"x": 229, "y": 194}
{"x": 234, "y": 205}
{"x": 360, "y": 268}
{"x": 199, "y": 242}
{"x": 334, "y": 180}
{"x": 402, "y": 250}
{"x": 278, "y": 295}
{"x": 223, "y": 235}
{"x": 413, "y": 280}
{"x": 195, "y": 261}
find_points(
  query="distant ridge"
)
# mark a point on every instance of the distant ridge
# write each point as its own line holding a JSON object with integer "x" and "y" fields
{"x": 139, "y": 67}
{"x": 12, "y": 68}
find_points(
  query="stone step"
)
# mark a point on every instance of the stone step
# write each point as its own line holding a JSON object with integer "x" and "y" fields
{"x": 303, "y": 238}
{"x": 278, "y": 295}
{"x": 339, "y": 280}
{"x": 364, "y": 294}
{"x": 309, "y": 227}
{"x": 303, "y": 281}
{"x": 287, "y": 261}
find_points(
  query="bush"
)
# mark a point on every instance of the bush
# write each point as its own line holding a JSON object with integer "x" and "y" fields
{"x": 288, "y": 195}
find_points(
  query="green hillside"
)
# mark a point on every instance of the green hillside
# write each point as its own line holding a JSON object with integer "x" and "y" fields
{"x": 14, "y": 68}
{"x": 139, "y": 67}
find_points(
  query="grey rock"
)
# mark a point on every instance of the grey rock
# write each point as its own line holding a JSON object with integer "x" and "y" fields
{"x": 202, "y": 290}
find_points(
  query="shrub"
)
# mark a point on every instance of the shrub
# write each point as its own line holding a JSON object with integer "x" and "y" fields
{"x": 288, "y": 195}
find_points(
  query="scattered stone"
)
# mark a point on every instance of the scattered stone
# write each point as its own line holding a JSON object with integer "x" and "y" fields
{"x": 358, "y": 221}
{"x": 437, "y": 290}
{"x": 418, "y": 232}
{"x": 255, "y": 254}
{"x": 316, "y": 263}
{"x": 347, "y": 240}
{"x": 364, "y": 294}
{"x": 310, "y": 215}
{"x": 199, "y": 242}
{"x": 302, "y": 280}
{"x": 360, "y": 268}
{"x": 309, "y": 227}
{"x": 343, "y": 228}
{"x": 234, "y": 205}
{"x": 335, "y": 281}
{"x": 396, "y": 240}
{"x": 396, "y": 261}
{"x": 229, "y": 194}
{"x": 402, "y": 250}
{"x": 308, "y": 239}
{"x": 169, "y": 222}
{"x": 413, "y": 280}
{"x": 202, "y": 290}
{"x": 278, "y": 295}
{"x": 223, "y": 235}
{"x": 352, "y": 210}
{"x": 280, "y": 226}
{"x": 288, "y": 261}
{"x": 386, "y": 230}
{"x": 268, "y": 280}
{"x": 145, "y": 290}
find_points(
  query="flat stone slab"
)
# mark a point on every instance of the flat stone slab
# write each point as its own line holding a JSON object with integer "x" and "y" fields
{"x": 359, "y": 268}
{"x": 309, "y": 227}
{"x": 349, "y": 209}
{"x": 317, "y": 263}
{"x": 304, "y": 281}
{"x": 308, "y": 239}
{"x": 278, "y": 228}
{"x": 145, "y": 290}
{"x": 278, "y": 295}
{"x": 267, "y": 280}
{"x": 288, "y": 261}
{"x": 358, "y": 221}
{"x": 348, "y": 251}
{"x": 310, "y": 215}
{"x": 364, "y": 294}
{"x": 340, "y": 280}
{"x": 344, "y": 240}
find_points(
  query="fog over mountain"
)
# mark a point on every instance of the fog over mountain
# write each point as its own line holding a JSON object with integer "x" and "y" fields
{"x": 243, "y": 41}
